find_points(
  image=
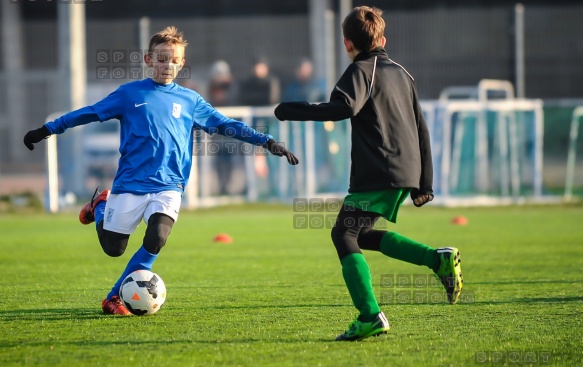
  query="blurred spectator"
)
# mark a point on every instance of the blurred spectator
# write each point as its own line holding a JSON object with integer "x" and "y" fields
{"x": 221, "y": 92}
{"x": 305, "y": 87}
{"x": 221, "y": 89}
{"x": 262, "y": 88}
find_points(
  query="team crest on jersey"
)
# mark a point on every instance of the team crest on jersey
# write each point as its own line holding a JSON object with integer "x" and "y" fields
{"x": 176, "y": 109}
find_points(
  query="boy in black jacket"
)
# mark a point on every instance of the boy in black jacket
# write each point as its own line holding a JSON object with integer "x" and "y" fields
{"x": 391, "y": 159}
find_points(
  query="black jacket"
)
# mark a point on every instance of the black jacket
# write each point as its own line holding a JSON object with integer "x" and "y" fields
{"x": 390, "y": 140}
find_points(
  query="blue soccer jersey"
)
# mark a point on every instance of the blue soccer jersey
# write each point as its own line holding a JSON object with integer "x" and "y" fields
{"x": 156, "y": 137}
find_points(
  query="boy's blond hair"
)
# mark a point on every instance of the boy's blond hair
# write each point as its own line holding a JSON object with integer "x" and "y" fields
{"x": 364, "y": 27}
{"x": 169, "y": 35}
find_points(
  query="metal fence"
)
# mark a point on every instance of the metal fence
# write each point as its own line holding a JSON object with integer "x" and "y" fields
{"x": 440, "y": 47}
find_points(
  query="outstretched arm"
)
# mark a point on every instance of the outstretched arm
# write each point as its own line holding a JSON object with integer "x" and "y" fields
{"x": 347, "y": 99}
{"x": 304, "y": 111}
{"x": 241, "y": 131}
{"x": 109, "y": 107}
{"x": 211, "y": 121}
{"x": 78, "y": 117}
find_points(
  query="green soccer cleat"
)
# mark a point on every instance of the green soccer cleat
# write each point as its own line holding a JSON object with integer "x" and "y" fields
{"x": 450, "y": 272}
{"x": 360, "y": 330}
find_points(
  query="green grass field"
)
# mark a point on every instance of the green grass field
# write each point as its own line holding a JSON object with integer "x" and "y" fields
{"x": 275, "y": 296}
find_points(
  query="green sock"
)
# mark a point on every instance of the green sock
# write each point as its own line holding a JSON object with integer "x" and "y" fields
{"x": 402, "y": 248}
{"x": 357, "y": 276}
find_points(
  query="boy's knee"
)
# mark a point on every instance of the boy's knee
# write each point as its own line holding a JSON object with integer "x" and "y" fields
{"x": 344, "y": 242}
{"x": 113, "y": 250}
{"x": 113, "y": 244}
{"x": 370, "y": 239}
{"x": 158, "y": 231}
{"x": 337, "y": 235}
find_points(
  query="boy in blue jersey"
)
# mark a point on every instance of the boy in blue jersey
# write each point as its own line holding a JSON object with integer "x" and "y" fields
{"x": 157, "y": 119}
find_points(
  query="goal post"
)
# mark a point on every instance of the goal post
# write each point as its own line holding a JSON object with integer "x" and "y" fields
{"x": 52, "y": 169}
{"x": 52, "y": 175}
{"x": 487, "y": 145}
{"x": 573, "y": 139}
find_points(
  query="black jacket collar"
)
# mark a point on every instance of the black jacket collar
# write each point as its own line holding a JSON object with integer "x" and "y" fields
{"x": 363, "y": 55}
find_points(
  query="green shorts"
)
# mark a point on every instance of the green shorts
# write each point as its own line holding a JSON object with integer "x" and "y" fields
{"x": 384, "y": 202}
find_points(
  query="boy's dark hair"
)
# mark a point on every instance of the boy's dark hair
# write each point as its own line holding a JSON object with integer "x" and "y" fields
{"x": 169, "y": 35}
{"x": 365, "y": 27}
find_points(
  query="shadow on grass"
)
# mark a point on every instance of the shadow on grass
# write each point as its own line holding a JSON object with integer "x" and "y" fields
{"x": 298, "y": 339}
{"x": 533, "y": 300}
{"x": 529, "y": 282}
{"x": 257, "y": 307}
{"x": 53, "y": 314}
{"x": 44, "y": 314}
{"x": 95, "y": 313}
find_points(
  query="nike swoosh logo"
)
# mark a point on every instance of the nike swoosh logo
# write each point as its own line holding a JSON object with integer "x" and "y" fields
{"x": 141, "y": 104}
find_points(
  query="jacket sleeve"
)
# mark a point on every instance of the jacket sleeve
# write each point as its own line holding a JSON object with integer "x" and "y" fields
{"x": 426, "y": 180}
{"x": 347, "y": 99}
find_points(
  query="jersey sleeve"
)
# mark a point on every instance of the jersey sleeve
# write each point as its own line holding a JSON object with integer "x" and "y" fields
{"x": 78, "y": 117}
{"x": 111, "y": 106}
{"x": 212, "y": 121}
{"x": 107, "y": 108}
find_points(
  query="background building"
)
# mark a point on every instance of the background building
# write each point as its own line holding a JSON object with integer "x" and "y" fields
{"x": 442, "y": 43}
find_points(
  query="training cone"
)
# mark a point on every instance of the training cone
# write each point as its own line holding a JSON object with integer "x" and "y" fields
{"x": 223, "y": 238}
{"x": 460, "y": 220}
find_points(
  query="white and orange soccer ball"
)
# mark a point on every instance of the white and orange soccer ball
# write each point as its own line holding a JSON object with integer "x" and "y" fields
{"x": 143, "y": 292}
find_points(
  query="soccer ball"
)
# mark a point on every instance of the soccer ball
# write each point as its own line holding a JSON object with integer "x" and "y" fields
{"x": 143, "y": 292}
